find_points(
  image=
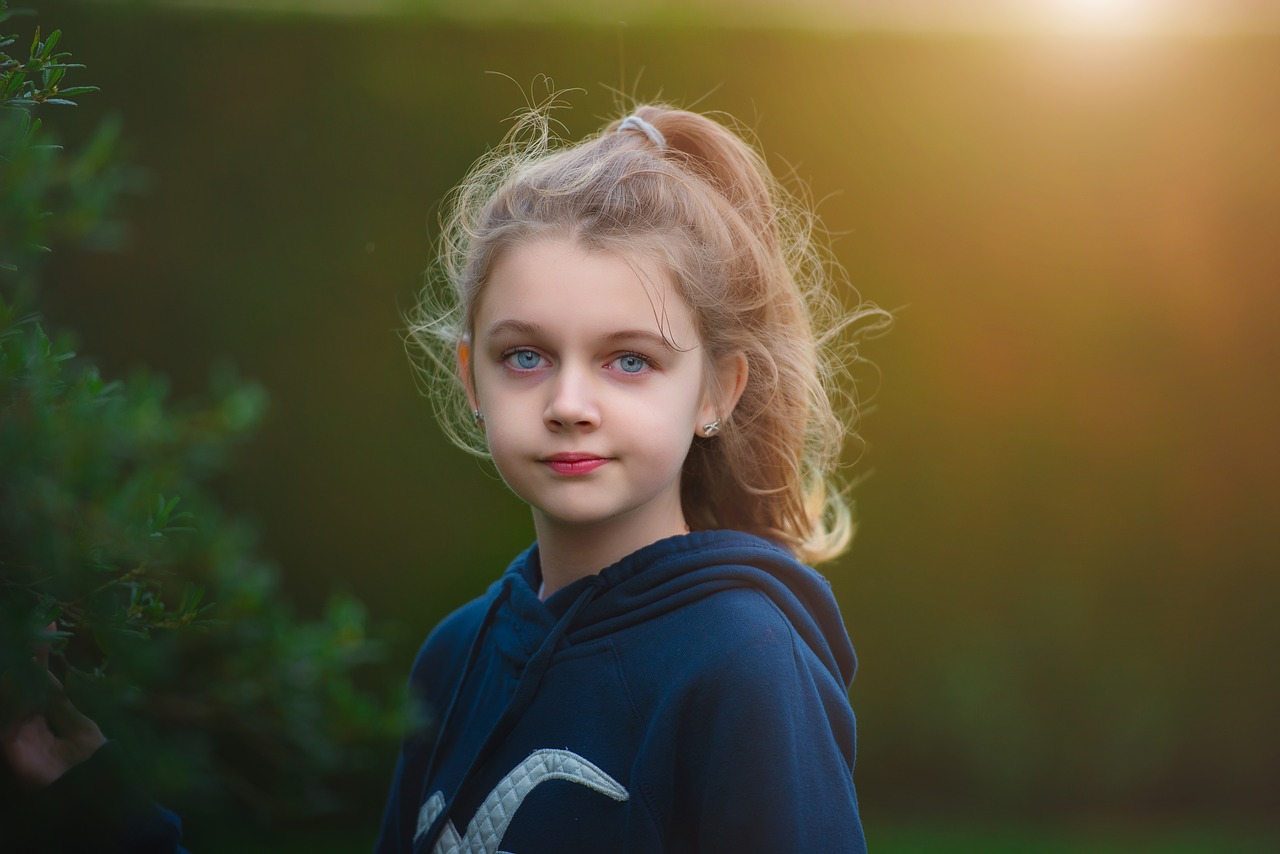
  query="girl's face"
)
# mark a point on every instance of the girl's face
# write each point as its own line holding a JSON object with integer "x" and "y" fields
{"x": 588, "y": 407}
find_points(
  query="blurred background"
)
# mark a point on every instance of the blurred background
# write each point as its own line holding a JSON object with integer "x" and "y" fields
{"x": 1064, "y": 586}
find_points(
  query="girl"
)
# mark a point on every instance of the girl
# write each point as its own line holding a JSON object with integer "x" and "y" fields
{"x": 630, "y": 334}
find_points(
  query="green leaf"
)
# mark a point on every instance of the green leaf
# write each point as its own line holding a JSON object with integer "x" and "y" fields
{"x": 50, "y": 43}
{"x": 14, "y": 83}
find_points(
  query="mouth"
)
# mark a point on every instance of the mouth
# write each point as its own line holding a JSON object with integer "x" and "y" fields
{"x": 572, "y": 464}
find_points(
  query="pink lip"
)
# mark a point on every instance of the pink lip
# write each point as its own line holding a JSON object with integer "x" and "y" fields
{"x": 571, "y": 464}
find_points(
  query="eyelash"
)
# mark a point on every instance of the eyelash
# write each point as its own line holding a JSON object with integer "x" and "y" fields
{"x": 648, "y": 363}
{"x": 508, "y": 358}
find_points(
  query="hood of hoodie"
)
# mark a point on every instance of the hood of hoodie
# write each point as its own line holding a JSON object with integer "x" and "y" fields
{"x": 663, "y": 577}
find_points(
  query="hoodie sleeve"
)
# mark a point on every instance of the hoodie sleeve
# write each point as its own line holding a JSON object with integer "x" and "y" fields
{"x": 435, "y": 673}
{"x": 771, "y": 739}
{"x": 400, "y": 815}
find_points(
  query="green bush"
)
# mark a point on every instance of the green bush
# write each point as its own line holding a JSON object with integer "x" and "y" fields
{"x": 171, "y": 632}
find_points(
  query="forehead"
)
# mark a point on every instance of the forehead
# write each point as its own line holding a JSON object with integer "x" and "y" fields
{"x": 556, "y": 284}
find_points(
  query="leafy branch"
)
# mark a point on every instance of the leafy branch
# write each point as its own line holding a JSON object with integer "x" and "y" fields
{"x": 37, "y": 79}
{"x": 173, "y": 634}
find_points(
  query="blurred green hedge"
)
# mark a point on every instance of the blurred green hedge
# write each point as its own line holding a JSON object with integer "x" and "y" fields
{"x": 172, "y": 632}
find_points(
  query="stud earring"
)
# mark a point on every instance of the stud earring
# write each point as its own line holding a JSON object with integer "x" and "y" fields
{"x": 711, "y": 429}
{"x": 478, "y": 416}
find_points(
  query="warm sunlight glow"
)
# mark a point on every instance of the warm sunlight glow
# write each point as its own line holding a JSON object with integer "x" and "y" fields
{"x": 1103, "y": 15}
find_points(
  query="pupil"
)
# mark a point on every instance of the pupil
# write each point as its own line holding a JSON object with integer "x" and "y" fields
{"x": 527, "y": 359}
{"x": 631, "y": 364}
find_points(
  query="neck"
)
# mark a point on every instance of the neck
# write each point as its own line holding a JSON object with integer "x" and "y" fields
{"x": 570, "y": 552}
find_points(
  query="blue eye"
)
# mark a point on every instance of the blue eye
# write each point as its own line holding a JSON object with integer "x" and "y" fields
{"x": 632, "y": 364}
{"x": 525, "y": 360}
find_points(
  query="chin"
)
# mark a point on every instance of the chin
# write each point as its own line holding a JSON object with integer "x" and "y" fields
{"x": 577, "y": 519}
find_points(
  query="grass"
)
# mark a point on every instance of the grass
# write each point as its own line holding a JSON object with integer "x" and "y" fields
{"x": 933, "y": 836}
{"x": 956, "y": 837}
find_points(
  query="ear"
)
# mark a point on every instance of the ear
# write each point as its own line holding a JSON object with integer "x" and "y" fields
{"x": 720, "y": 400}
{"x": 465, "y": 370}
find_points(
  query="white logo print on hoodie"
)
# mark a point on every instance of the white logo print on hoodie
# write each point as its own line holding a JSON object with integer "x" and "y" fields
{"x": 487, "y": 827}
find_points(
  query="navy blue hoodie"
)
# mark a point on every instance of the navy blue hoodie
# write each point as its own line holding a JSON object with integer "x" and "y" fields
{"x": 691, "y": 697}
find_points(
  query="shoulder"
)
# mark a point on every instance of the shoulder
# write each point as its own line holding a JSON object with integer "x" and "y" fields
{"x": 733, "y": 643}
{"x": 750, "y": 642}
{"x": 740, "y": 620}
{"x": 753, "y": 687}
{"x": 736, "y": 689}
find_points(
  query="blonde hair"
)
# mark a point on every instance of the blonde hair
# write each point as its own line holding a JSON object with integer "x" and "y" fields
{"x": 697, "y": 198}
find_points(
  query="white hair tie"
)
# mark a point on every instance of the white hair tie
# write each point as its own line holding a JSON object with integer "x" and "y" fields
{"x": 634, "y": 122}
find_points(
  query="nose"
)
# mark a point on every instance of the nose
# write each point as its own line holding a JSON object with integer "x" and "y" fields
{"x": 573, "y": 402}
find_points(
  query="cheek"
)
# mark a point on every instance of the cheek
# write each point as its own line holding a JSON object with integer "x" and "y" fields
{"x": 665, "y": 428}
{"x": 507, "y": 455}
{"x": 500, "y": 433}
{"x": 494, "y": 399}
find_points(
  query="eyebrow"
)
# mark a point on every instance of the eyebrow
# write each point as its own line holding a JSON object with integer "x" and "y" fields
{"x": 515, "y": 327}
{"x": 521, "y": 327}
{"x": 651, "y": 338}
